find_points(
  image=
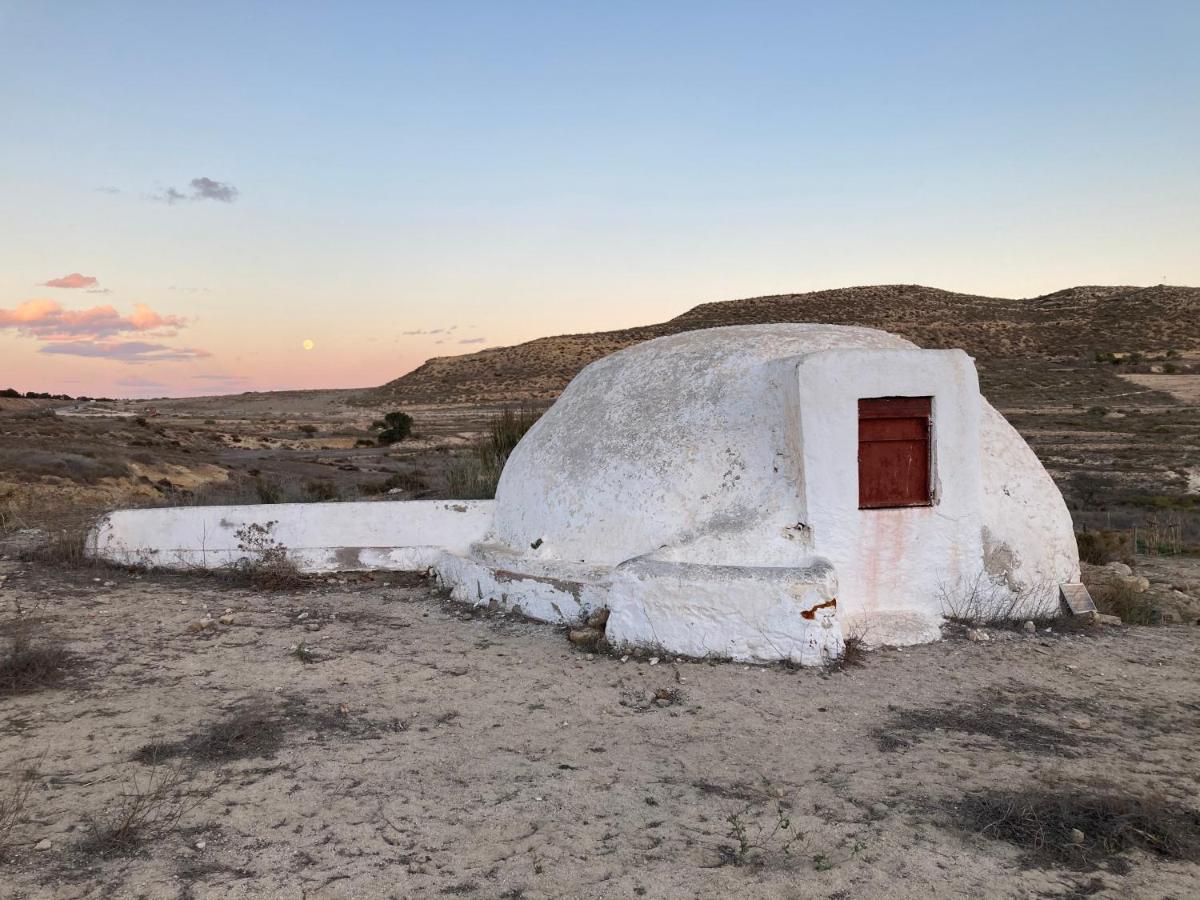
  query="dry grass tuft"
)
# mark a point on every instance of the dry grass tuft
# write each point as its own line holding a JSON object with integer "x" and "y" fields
{"x": 1105, "y": 546}
{"x": 854, "y": 654}
{"x": 254, "y": 732}
{"x": 1116, "y": 597}
{"x": 13, "y": 801}
{"x": 149, "y": 808}
{"x": 475, "y": 477}
{"x": 32, "y": 657}
{"x": 1079, "y": 829}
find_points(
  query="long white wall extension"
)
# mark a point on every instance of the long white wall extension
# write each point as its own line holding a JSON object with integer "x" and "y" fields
{"x": 317, "y": 537}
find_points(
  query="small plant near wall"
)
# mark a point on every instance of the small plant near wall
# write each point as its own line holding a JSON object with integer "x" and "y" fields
{"x": 393, "y": 428}
{"x": 266, "y": 563}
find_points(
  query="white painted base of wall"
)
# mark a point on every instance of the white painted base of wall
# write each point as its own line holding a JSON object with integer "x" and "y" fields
{"x": 747, "y": 613}
{"x": 317, "y": 537}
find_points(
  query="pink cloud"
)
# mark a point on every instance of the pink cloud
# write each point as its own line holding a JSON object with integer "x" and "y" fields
{"x": 74, "y": 280}
{"x": 126, "y": 351}
{"x": 98, "y": 331}
{"x": 47, "y": 320}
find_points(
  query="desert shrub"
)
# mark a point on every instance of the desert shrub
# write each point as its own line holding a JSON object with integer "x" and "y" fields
{"x": 1079, "y": 827}
{"x": 393, "y": 427}
{"x": 310, "y": 430}
{"x": 32, "y": 658}
{"x": 64, "y": 547}
{"x": 266, "y": 564}
{"x": 1101, "y": 547}
{"x": 983, "y": 600}
{"x": 150, "y": 807}
{"x": 14, "y": 798}
{"x": 854, "y": 654}
{"x": 321, "y": 490}
{"x": 475, "y": 477}
{"x": 761, "y": 827}
{"x": 364, "y": 442}
{"x": 10, "y": 392}
{"x": 1097, "y": 410}
{"x": 268, "y": 491}
{"x": 1117, "y": 597}
{"x": 83, "y": 466}
{"x": 11, "y": 510}
{"x": 405, "y": 481}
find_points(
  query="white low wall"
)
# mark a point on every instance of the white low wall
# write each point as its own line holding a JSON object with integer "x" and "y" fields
{"x": 754, "y": 614}
{"x": 317, "y": 537}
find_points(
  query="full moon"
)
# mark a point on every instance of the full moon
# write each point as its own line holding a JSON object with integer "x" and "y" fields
{"x": 308, "y": 344}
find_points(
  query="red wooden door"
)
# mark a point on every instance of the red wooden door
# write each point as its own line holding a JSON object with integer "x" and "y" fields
{"x": 893, "y": 452}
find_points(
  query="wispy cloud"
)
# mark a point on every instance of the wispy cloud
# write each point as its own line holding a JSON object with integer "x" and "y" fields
{"x": 481, "y": 340}
{"x": 207, "y": 189}
{"x": 108, "y": 189}
{"x": 201, "y": 189}
{"x": 100, "y": 331}
{"x": 74, "y": 280}
{"x": 132, "y": 352}
{"x": 445, "y": 330}
{"x": 137, "y": 381}
{"x": 229, "y": 380}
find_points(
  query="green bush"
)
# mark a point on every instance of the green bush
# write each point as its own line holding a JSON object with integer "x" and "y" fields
{"x": 475, "y": 477}
{"x": 393, "y": 427}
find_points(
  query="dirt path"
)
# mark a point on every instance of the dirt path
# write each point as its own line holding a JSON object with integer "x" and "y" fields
{"x": 421, "y": 749}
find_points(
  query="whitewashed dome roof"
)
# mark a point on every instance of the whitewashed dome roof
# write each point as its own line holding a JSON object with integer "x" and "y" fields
{"x": 666, "y": 443}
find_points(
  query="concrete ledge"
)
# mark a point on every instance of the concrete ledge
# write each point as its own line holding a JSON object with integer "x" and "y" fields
{"x": 539, "y": 596}
{"x": 757, "y": 614}
{"x": 316, "y": 537}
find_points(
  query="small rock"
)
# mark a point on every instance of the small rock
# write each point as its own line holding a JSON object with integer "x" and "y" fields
{"x": 1104, "y": 619}
{"x": 1081, "y": 722}
{"x": 110, "y": 584}
{"x": 1029, "y": 627}
{"x": 312, "y": 626}
{"x": 584, "y": 637}
{"x": 977, "y": 634}
{"x": 654, "y": 660}
{"x": 624, "y": 659}
{"x": 43, "y": 844}
{"x": 879, "y": 811}
{"x": 598, "y": 619}
{"x": 1120, "y": 568}
{"x": 200, "y": 845}
{"x": 226, "y": 619}
{"x": 1077, "y": 836}
{"x": 197, "y": 625}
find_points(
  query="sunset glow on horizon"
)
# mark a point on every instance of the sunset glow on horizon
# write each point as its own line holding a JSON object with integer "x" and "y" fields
{"x": 226, "y": 198}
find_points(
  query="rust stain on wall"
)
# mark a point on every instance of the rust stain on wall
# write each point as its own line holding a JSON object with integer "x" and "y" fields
{"x": 812, "y": 613}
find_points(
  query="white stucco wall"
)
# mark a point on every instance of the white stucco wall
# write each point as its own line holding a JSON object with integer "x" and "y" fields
{"x": 1028, "y": 536}
{"x": 319, "y": 537}
{"x": 893, "y": 565}
{"x": 730, "y": 612}
{"x": 686, "y": 447}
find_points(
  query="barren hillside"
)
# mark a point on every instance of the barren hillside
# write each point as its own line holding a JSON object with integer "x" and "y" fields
{"x": 1072, "y": 324}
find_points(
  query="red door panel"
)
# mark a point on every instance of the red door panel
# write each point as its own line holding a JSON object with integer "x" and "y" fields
{"x": 893, "y": 452}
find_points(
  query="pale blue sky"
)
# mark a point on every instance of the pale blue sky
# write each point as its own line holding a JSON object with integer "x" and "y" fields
{"x": 520, "y": 169}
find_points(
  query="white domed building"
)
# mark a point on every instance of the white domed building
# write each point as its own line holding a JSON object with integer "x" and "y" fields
{"x": 754, "y": 492}
{"x": 762, "y": 491}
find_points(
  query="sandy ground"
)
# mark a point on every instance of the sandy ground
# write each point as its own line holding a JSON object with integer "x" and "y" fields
{"x": 428, "y": 750}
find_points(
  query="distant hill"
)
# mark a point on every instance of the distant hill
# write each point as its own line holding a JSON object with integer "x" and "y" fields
{"x": 1068, "y": 325}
